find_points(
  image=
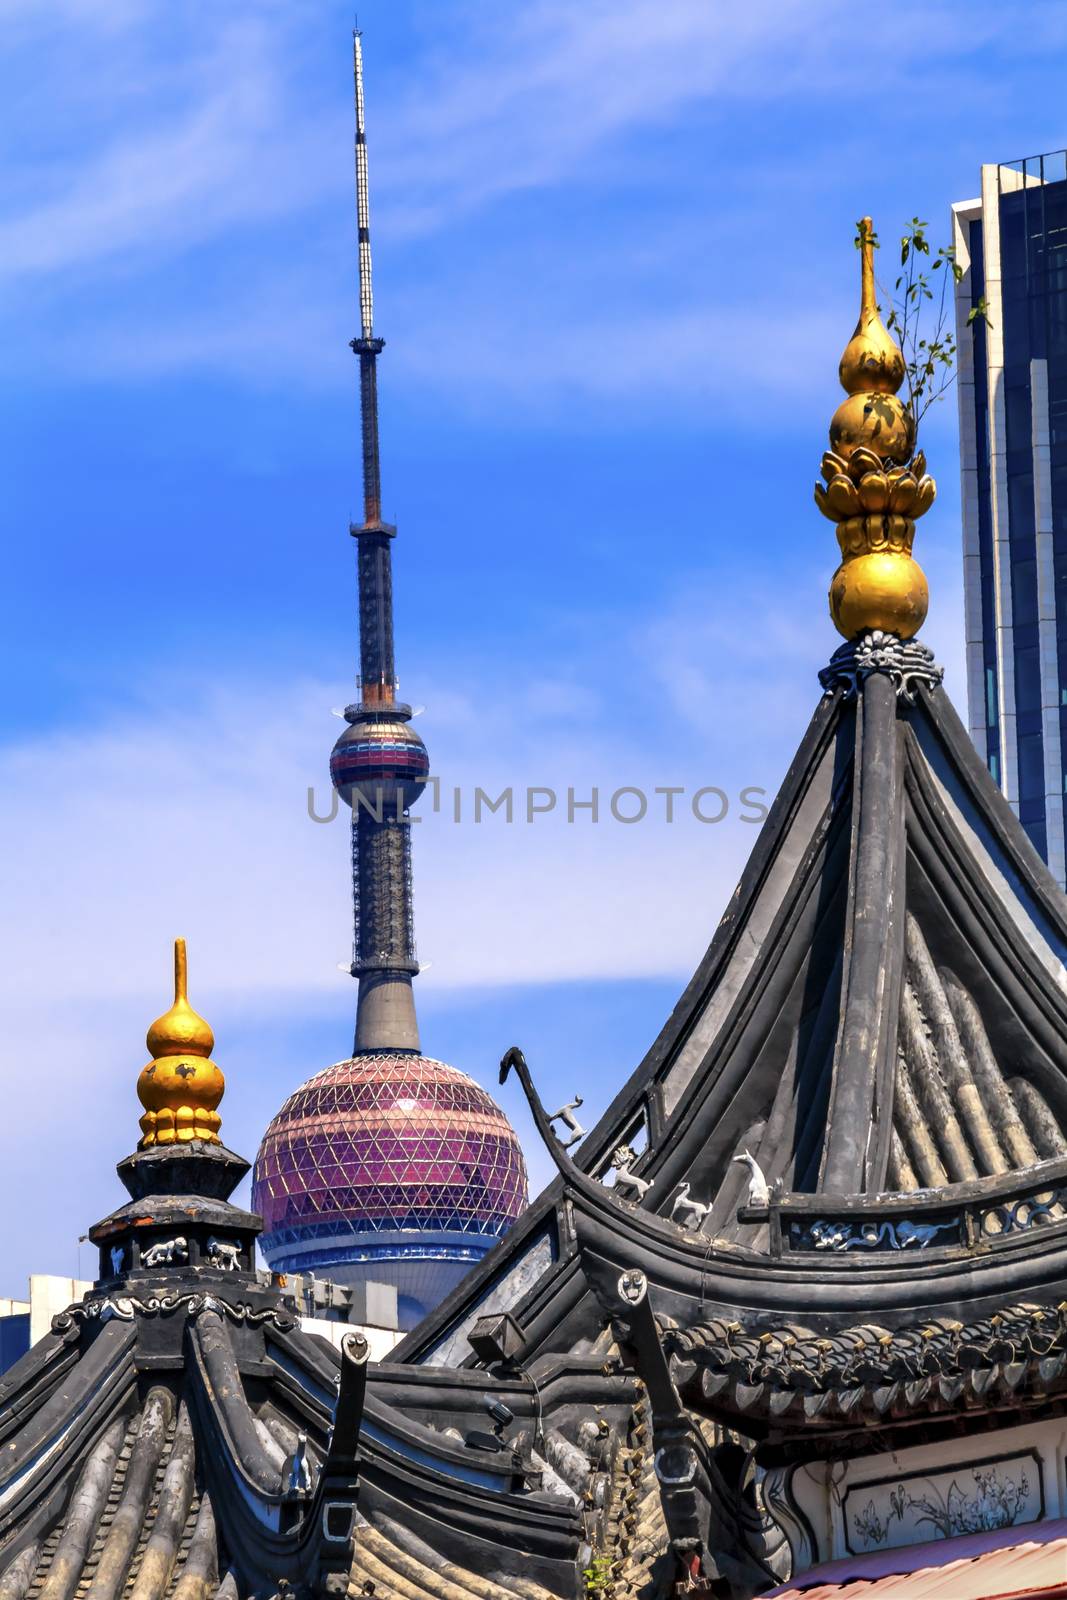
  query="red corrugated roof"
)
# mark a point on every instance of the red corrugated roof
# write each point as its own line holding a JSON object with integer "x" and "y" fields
{"x": 1009, "y": 1565}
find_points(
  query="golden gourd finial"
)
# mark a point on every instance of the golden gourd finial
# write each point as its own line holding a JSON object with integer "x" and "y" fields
{"x": 180, "y": 1087}
{"x": 872, "y": 491}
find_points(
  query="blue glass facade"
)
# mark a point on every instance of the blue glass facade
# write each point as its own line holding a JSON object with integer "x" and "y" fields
{"x": 1030, "y": 302}
{"x": 14, "y": 1339}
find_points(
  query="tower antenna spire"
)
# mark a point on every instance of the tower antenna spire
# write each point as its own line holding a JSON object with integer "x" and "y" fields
{"x": 366, "y": 289}
{"x": 366, "y": 346}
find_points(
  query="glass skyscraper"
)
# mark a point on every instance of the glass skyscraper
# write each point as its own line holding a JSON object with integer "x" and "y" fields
{"x": 1012, "y": 246}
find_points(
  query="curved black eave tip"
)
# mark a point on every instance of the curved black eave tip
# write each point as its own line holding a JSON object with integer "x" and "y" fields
{"x": 509, "y": 1059}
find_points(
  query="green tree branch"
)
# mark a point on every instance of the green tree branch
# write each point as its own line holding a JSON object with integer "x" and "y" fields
{"x": 920, "y": 313}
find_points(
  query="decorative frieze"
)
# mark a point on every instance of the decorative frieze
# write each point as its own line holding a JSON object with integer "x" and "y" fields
{"x": 970, "y": 1497}
{"x": 889, "y": 1234}
{"x": 127, "y": 1307}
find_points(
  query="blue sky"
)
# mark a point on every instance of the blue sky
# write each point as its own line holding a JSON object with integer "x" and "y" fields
{"x": 614, "y": 269}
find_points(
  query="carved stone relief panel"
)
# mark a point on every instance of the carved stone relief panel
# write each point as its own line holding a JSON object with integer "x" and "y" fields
{"x": 969, "y": 1497}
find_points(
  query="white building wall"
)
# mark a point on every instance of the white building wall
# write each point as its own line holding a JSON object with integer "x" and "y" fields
{"x": 998, "y": 473}
{"x": 962, "y": 216}
{"x": 48, "y": 1297}
{"x": 1027, "y": 1462}
{"x": 380, "y": 1340}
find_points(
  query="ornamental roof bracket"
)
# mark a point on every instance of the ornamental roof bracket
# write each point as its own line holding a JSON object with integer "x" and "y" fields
{"x": 331, "y": 1519}
{"x": 701, "y": 1484}
{"x": 623, "y": 1157}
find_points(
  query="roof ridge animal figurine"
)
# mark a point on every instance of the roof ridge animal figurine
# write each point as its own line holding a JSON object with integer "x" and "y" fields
{"x": 622, "y": 1159}
{"x": 692, "y": 1212}
{"x": 759, "y": 1193}
{"x": 565, "y": 1114}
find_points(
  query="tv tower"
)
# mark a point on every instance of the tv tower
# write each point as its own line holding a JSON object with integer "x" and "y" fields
{"x": 390, "y": 1167}
{"x": 379, "y": 764}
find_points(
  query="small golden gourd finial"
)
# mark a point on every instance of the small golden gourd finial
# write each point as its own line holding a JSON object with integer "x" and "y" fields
{"x": 872, "y": 362}
{"x": 180, "y": 1087}
{"x": 180, "y": 1028}
{"x": 872, "y": 491}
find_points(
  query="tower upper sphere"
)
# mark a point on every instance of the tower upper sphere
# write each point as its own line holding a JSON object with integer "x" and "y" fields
{"x": 383, "y": 761}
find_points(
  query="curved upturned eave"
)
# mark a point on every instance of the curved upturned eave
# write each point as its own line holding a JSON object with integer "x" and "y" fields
{"x": 792, "y": 832}
{"x": 691, "y": 1278}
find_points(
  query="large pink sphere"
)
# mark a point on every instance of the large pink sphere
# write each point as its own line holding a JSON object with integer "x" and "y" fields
{"x": 385, "y": 1157}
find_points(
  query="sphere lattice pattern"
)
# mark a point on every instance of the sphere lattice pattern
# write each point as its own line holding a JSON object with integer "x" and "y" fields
{"x": 382, "y": 760}
{"x": 387, "y": 1143}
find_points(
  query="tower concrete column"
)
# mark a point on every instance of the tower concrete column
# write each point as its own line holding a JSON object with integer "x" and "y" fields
{"x": 385, "y": 1014}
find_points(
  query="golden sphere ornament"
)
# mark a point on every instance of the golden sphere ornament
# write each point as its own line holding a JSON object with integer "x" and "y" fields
{"x": 879, "y": 590}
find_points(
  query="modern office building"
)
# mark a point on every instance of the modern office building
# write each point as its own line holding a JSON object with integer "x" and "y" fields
{"x": 1012, "y": 245}
{"x": 23, "y": 1322}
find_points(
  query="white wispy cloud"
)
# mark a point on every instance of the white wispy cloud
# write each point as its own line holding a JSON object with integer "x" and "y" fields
{"x": 500, "y": 100}
{"x": 147, "y": 138}
{"x": 526, "y": 95}
{"x": 209, "y": 151}
{"x": 541, "y": 86}
{"x": 729, "y": 352}
{"x": 195, "y": 821}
